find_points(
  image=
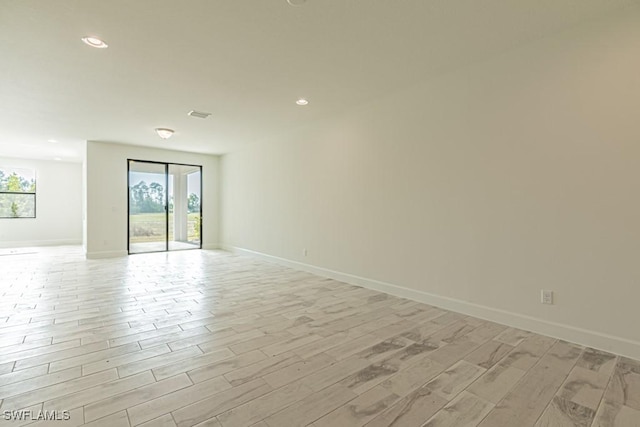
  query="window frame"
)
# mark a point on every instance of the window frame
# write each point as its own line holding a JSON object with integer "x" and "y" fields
{"x": 26, "y": 193}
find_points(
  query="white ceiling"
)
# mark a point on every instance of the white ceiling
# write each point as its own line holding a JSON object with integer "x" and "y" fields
{"x": 244, "y": 61}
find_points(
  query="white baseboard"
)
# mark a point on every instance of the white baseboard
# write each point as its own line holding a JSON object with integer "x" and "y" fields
{"x": 211, "y": 246}
{"x": 601, "y": 341}
{"x": 106, "y": 254}
{"x": 35, "y": 243}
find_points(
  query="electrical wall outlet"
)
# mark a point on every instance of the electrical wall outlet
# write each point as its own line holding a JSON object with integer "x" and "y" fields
{"x": 546, "y": 297}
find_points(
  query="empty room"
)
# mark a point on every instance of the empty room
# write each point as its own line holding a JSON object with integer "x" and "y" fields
{"x": 273, "y": 213}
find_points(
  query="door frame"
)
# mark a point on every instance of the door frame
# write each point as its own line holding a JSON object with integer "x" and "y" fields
{"x": 166, "y": 204}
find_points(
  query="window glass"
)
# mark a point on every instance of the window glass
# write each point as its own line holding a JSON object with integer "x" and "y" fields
{"x": 17, "y": 192}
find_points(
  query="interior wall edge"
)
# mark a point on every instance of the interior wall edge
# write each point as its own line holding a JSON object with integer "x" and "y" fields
{"x": 585, "y": 337}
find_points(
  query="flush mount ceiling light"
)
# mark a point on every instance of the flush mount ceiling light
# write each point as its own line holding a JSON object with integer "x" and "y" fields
{"x": 302, "y": 101}
{"x": 296, "y": 2}
{"x": 95, "y": 42}
{"x": 164, "y": 133}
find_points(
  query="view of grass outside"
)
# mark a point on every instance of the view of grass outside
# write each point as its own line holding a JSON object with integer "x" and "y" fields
{"x": 151, "y": 227}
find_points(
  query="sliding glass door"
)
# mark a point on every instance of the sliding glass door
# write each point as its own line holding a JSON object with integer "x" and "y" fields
{"x": 147, "y": 207}
{"x": 165, "y": 209}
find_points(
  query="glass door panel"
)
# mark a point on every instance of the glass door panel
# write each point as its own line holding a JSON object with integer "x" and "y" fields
{"x": 185, "y": 212}
{"x": 147, "y": 207}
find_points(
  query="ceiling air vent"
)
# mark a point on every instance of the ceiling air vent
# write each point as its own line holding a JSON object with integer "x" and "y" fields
{"x": 198, "y": 114}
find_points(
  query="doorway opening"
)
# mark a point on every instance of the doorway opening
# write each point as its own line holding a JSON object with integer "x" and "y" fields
{"x": 164, "y": 206}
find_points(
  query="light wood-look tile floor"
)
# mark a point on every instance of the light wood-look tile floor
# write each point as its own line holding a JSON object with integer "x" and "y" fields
{"x": 212, "y": 339}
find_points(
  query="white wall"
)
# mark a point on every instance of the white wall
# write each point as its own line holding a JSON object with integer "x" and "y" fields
{"x": 474, "y": 190}
{"x": 58, "y": 206}
{"x": 106, "y": 218}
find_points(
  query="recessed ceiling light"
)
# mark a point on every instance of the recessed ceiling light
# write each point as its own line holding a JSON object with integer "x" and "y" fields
{"x": 296, "y": 2}
{"x": 53, "y": 141}
{"x": 57, "y": 158}
{"x": 95, "y": 42}
{"x": 164, "y": 133}
{"x": 302, "y": 101}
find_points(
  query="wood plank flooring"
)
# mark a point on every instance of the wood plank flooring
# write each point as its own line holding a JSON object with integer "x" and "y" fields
{"x": 209, "y": 338}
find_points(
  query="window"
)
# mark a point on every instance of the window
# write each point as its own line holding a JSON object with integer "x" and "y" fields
{"x": 17, "y": 192}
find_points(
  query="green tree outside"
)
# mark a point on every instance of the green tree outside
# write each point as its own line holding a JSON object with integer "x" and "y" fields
{"x": 14, "y": 203}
